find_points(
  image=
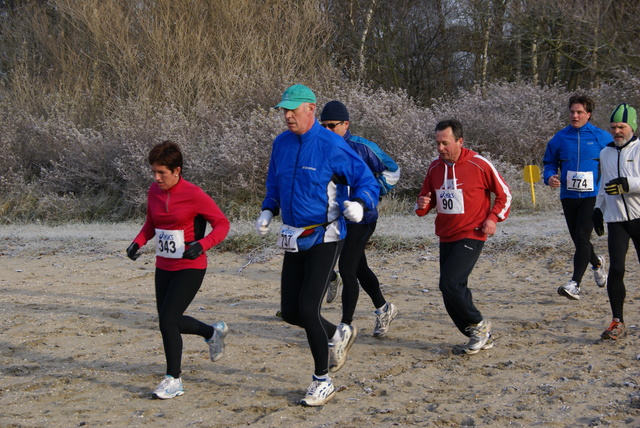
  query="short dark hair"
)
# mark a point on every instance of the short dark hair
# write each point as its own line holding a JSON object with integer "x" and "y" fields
{"x": 166, "y": 154}
{"x": 585, "y": 100}
{"x": 455, "y": 125}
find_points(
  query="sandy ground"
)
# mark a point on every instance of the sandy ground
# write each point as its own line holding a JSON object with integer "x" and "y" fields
{"x": 79, "y": 343}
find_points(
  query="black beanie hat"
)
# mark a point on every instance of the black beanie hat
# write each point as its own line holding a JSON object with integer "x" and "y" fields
{"x": 334, "y": 110}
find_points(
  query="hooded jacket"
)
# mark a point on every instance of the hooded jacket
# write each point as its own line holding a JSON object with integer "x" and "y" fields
{"x": 620, "y": 162}
{"x": 477, "y": 178}
{"x": 575, "y": 149}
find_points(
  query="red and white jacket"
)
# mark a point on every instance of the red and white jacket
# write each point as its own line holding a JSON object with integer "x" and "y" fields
{"x": 183, "y": 207}
{"x": 477, "y": 178}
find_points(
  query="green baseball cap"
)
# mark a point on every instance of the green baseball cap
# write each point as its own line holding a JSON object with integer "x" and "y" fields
{"x": 625, "y": 113}
{"x": 296, "y": 95}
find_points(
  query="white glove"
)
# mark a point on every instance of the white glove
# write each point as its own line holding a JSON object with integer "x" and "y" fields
{"x": 353, "y": 211}
{"x": 262, "y": 224}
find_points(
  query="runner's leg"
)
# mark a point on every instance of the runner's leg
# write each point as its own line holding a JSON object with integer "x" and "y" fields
{"x": 457, "y": 260}
{"x": 618, "y": 240}
{"x": 354, "y": 270}
{"x": 175, "y": 291}
{"x": 305, "y": 278}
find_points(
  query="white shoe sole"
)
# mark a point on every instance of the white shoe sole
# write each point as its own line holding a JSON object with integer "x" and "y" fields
{"x": 310, "y": 403}
{"x": 565, "y": 293}
{"x": 163, "y": 396}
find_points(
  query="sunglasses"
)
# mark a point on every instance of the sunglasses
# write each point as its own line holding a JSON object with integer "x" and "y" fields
{"x": 332, "y": 125}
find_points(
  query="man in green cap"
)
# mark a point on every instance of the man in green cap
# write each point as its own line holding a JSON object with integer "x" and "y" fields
{"x": 309, "y": 171}
{"x": 618, "y": 204}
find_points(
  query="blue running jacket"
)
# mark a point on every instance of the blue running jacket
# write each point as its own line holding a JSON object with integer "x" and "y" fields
{"x": 574, "y": 149}
{"x": 307, "y": 183}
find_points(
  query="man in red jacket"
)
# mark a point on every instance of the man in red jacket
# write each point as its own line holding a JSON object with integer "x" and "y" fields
{"x": 459, "y": 184}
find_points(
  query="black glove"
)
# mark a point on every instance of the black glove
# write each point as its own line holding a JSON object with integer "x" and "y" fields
{"x": 617, "y": 186}
{"x": 132, "y": 251}
{"x": 193, "y": 252}
{"x": 598, "y": 221}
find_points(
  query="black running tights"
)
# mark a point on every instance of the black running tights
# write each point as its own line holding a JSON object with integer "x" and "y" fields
{"x": 354, "y": 268}
{"x": 174, "y": 292}
{"x": 304, "y": 282}
{"x": 577, "y": 213}
{"x": 619, "y": 235}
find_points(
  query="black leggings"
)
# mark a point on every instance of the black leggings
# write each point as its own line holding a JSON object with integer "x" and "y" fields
{"x": 174, "y": 292}
{"x": 457, "y": 260}
{"x": 353, "y": 268}
{"x": 304, "y": 282}
{"x": 619, "y": 235}
{"x": 577, "y": 213}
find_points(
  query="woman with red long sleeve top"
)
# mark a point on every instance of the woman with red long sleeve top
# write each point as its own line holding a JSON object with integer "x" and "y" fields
{"x": 177, "y": 212}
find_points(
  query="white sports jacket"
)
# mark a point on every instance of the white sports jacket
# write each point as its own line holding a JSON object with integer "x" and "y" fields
{"x": 620, "y": 162}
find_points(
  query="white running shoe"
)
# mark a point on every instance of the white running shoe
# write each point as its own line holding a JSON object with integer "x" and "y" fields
{"x": 335, "y": 288}
{"x": 318, "y": 393}
{"x": 600, "y": 273}
{"x": 216, "y": 342}
{"x": 384, "y": 318}
{"x": 479, "y": 337}
{"x": 570, "y": 290}
{"x": 169, "y": 387}
{"x": 338, "y": 351}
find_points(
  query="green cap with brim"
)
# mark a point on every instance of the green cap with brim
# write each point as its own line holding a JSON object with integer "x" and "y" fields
{"x": 626, "y": 114}
{"x": 296, "y": 95}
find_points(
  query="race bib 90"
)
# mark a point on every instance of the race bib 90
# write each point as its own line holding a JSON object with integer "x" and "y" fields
{"x": 170, "y": 243}
{"x": 450, "y": 201}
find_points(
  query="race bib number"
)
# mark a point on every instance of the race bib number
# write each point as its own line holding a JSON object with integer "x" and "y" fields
{"x": 450, "y": 201}
{"x": 288, "y": 238}
{"x": 580, "y": 181}
{"x": 170, "y": 243}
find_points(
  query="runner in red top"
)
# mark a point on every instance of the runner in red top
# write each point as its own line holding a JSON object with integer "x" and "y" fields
{"x": 177, "y": 213}
{"x": 459, "y": 185}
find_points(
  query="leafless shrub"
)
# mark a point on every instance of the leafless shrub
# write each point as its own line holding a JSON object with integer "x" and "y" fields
{"x": 393, "y": 121}
{"x": 173, "y": 52}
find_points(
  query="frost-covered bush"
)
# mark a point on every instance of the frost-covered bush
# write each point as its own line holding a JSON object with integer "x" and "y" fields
{"x": 516, "y": 120}
{"x": 103, "y": 173}
{"x": 394, "y": 122}
{"x": 55, "y": 169}
{"x": 522, "y": 201}
{"x": 511, "y": 120}
{"x": 626, "y": 89}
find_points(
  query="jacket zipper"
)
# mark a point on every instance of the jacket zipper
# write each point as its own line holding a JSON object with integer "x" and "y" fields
{"x": 624, "y": 202}
{"x": 295, "y": 173}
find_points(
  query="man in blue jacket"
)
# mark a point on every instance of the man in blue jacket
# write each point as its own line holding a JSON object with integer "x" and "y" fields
{"x": 575, "y": 152}
{"x": 309, "y": 171}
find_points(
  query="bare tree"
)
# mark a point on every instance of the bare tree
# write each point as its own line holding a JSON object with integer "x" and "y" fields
{"x": 577, "y": 43}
